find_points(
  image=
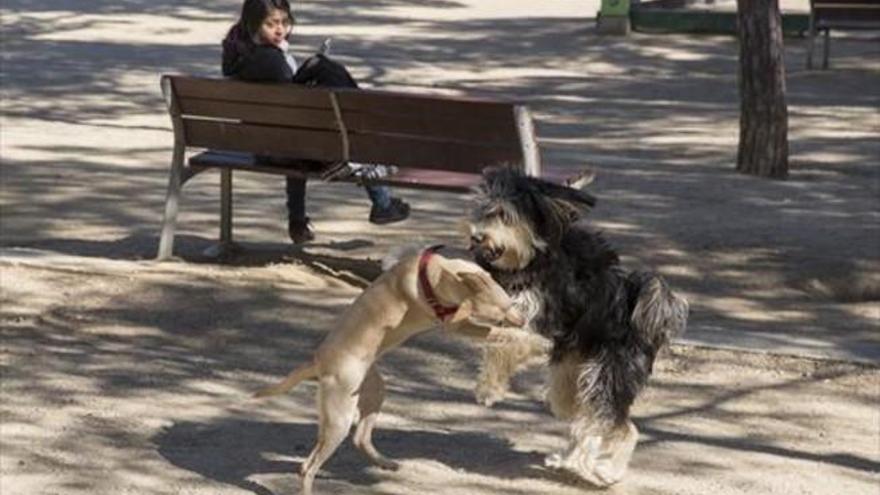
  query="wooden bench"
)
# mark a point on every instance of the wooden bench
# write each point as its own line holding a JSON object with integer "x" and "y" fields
{"x": 438, "y": 142}
{"x": 839, "y": 14}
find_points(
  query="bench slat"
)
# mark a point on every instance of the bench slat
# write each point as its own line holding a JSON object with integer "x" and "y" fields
{"x": 403, "y": 151}
{"x": 237, "y": 91}
{"x": 406, "y": 151}
{"x": 427, "y": 125}
{"x": 254, "y": 113}
{"x": 849, "y": 24}
{"x": 302, "y": 143}
{"x": 389, "y": 103}
{"x": 416, "y": 178}
{"x": 247, "y": 161}
{"x": 435, "y": 180}
{"x": 847, "y": 19}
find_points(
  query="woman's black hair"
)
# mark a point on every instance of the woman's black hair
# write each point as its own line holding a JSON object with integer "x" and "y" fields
{"x": 239, "y": 41}
{"x": 254, "y": 12}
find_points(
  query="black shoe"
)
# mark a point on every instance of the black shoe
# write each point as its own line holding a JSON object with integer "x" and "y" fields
{"x": 398, "y": 210}
{"x": 300, "y": 231}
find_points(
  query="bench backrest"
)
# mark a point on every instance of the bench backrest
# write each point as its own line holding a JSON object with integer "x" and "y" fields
{"x": 866, "y": 11}
{"x": 432, "y": 132}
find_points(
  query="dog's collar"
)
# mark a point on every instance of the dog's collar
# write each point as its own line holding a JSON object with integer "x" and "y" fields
{"x": 442, "y": 312}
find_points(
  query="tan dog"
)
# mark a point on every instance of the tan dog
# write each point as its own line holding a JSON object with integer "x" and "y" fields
{"x": 413, "y": 296}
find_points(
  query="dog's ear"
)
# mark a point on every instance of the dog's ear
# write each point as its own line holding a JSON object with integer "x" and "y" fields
{"x": 474, "y": 281}
{"x": 509, "y": 182}
{"x": 451, "y": 280}
{"x": 551, "y": 208}
{"x": 579, "y": 199}
{"x": 465, "y": 309}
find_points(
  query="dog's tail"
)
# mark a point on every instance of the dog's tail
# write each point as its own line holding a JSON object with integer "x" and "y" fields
{"x": 301, "y": 373}
{"x": 660, "y": 314}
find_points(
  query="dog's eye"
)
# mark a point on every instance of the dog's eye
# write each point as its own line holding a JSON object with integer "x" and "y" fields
{"x": 505, "y": 216}
{"x": 502, "y": 215}
{"x": 495, "y": 211}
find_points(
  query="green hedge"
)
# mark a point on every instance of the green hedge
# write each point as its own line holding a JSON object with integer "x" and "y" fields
{"x": 653, "y": 20}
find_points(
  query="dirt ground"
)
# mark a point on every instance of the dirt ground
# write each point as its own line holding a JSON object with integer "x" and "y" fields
{"x": 126, "y": 377}
{"x": 121, "y": 375}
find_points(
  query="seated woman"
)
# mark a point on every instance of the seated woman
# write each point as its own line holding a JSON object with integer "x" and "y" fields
{"x": 255, "y": 49}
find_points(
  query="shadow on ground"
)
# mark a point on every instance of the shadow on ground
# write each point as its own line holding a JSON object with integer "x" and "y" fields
{"x": 233, "y": 451}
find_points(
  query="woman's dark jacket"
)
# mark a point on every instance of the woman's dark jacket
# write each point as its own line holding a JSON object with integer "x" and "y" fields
{"x": 243, "y": 59}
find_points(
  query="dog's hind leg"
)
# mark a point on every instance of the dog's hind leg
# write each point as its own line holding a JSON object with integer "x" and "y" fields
{"x": 582, "y": 452}
{"x": 599, "y": 458}
{"x": 372, "y": 394}
{"x": 586, "y": 431}
{"x": 337, "y": 406}
{"x": 616, "y": 452}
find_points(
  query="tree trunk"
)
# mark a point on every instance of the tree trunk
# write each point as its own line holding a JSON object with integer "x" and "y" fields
{"x": 763, "y": 122}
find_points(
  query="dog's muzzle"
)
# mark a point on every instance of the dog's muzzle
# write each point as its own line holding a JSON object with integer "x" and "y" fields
{"x": 483, "y": 251}
{"x": 514, "y": 317}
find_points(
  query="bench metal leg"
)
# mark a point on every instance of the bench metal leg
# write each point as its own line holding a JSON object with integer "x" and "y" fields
{"x": 827, "y": 48}
{"x": 172, "y": 199}
{"x": 528, "y": 143}
{"x": 225, "y": 207}
{"x": 811, "y": 46}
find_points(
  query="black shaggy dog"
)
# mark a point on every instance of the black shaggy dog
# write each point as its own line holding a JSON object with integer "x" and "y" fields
{"x": 602, "y": 325}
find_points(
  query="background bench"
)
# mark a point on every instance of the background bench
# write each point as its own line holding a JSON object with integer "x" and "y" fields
{"x": 438, "y": 142}
{"x": 839, "y": 14}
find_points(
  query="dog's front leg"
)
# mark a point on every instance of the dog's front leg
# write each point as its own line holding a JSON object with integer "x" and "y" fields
{"x": 507, "y": 351}
{"x": 468, "y": 329}
{"x": 496, "y": 370}
{"x": 497, "y": 366}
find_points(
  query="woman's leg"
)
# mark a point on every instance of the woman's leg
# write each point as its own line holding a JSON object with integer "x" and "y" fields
{"x": 380, "y": 196}
{"x": 386, "y": 208}
{"x": 297, "y": 221}
{"x": 319, "y": 70}
{"x": 296, "y": 199}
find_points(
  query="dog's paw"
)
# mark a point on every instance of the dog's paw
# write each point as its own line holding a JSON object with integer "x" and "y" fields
{"x": 500, "y": 335}
{"x": 606, "y": 476}
{"x": 388, "y": 464}
{"x": 595, "y": 479}
{"x": 568, "y": 464}
{"x": 488, "y": 395}
{"x": 554, "y": 461}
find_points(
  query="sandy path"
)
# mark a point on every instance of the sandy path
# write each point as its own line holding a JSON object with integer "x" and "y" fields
{"x": 132, "y": 378}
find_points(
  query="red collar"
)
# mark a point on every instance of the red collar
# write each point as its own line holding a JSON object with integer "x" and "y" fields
{"x": 442, "y": 312}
